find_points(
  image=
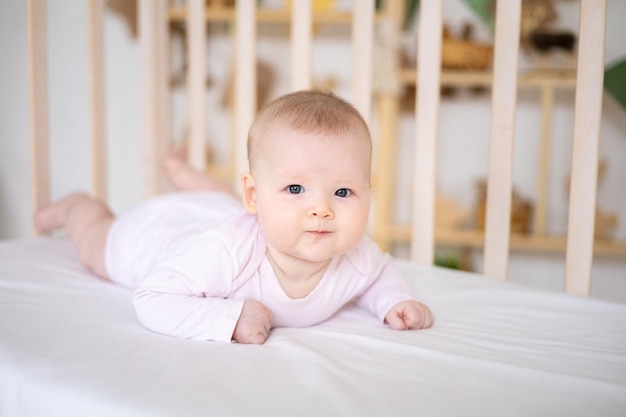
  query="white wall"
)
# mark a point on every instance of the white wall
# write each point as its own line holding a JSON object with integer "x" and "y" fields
{"x": 463, "y": 148}
{"x": 68, "y": 97}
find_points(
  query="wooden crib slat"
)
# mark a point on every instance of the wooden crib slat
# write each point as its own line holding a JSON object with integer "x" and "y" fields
{"x": 245, "y": 81}
{"x": 163, "y": 81}
{"x": 587, "y": 118}
{"x": 503, "y": 100}
{"x": 427, "y": 130}
{"x": 196, "y": 86}
{"x": 149, "y": 112}
{"x": 38, "y": 102}
{"x": 540, "y": 213}
{"x": 362, "y": 55}
{"x": 387, "y": 90}
{"x": 95, "y": 26}
{"x": 152, "y": 18}
{"x": 301, "y": 44}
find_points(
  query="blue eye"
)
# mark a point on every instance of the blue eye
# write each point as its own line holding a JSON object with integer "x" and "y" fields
{"x": 343, "y": 192}
{"x": 295, "y": 189}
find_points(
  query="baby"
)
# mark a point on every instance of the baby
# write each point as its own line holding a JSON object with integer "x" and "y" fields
{"x": 205, "y": 267}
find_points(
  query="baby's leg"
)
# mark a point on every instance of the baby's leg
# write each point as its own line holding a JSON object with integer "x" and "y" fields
{"x": 185, "y": 178}
{"x": 87, "y": 221}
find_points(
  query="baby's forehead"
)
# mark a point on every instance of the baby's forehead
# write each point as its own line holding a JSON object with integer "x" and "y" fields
{"x": 276, "y": 139}
{"x": 298, "y": 149}
{"x": 321, "y": 135}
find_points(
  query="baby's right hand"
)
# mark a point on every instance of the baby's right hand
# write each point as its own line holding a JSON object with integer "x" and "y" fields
{"x": 254, "y": 323}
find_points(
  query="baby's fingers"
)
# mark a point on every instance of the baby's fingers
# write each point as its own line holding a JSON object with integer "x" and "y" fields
{"x": 396, "y": 321}
{"x": 419, "y": 318}
{"x": 410, "y": 315}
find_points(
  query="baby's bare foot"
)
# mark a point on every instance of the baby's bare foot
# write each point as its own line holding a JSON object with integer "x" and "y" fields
{"x": 178, "y": 172}
{"x": 53, "y": 216}
{"x": 175, "y": 162}
{"x": 185, "y": 178}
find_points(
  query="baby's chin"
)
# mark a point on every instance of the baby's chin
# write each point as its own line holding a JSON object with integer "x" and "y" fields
{"x": 321, "y": 256}
{"x": 317, "y": 250}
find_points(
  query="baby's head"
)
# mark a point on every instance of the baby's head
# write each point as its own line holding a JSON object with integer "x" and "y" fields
{"x": 310, "y": 112}
{"x": 309, "y": 181}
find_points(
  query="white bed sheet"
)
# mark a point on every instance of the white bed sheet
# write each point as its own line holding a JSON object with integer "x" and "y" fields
{"x": 70, "y": 346}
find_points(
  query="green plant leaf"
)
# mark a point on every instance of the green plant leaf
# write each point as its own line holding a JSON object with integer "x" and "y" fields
{"x": 615, "y": 82}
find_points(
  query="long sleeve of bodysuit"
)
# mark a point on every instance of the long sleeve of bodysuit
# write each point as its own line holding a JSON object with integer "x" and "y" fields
{"x": 389, "y": 286}
{"x": 186, "y": 294}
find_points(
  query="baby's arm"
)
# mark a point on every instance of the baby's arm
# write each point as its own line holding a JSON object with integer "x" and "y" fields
{"x": 408, "y": 315}
{"x": 390, "y": 296}
{"x": 391, "y": 299}
{"x": 187, "y": 295}
{"x": 187, "y": 316}
{"x": 203, "y": 318}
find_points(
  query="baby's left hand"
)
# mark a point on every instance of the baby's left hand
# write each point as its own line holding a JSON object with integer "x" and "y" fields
{"x": 408, "y": 315}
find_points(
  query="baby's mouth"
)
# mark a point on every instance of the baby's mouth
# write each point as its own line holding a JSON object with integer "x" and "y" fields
{"x": 319, "y": 233}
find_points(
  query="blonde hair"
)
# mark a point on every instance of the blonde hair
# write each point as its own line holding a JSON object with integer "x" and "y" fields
{"x": 308, "y": 111}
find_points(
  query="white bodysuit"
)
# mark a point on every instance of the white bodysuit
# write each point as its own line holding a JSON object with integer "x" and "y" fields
{"x": 194, "y": 258}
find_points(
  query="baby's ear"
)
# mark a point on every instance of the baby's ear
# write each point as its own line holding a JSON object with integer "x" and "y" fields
{"x": 249, "y": 192}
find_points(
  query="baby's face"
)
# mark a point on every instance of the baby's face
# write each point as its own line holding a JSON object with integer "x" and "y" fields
{"x": 311, "y": 193}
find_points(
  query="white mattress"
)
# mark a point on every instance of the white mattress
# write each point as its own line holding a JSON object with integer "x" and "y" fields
{"x": 70, "y": 346}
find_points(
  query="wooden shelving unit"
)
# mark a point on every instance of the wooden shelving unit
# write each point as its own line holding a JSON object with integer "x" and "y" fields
{"x": 535, "y": 78}
{"x": 539, "y": 241}
{"x": 545, "y": 80}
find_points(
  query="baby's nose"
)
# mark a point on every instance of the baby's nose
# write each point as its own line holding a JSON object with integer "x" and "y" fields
{"x": 323, "y": 211}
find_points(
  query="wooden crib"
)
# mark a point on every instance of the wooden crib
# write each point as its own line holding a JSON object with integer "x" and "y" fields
{"x": 153, "y": 23}
{"x": 71, "y": 344}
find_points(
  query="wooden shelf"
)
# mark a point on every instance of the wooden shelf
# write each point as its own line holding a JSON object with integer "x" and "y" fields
{"x": 528, "y": 78}
{"x": 547, "y": 80}
{"x": 524, "y": 243}
{"x": 226, "y": 15}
